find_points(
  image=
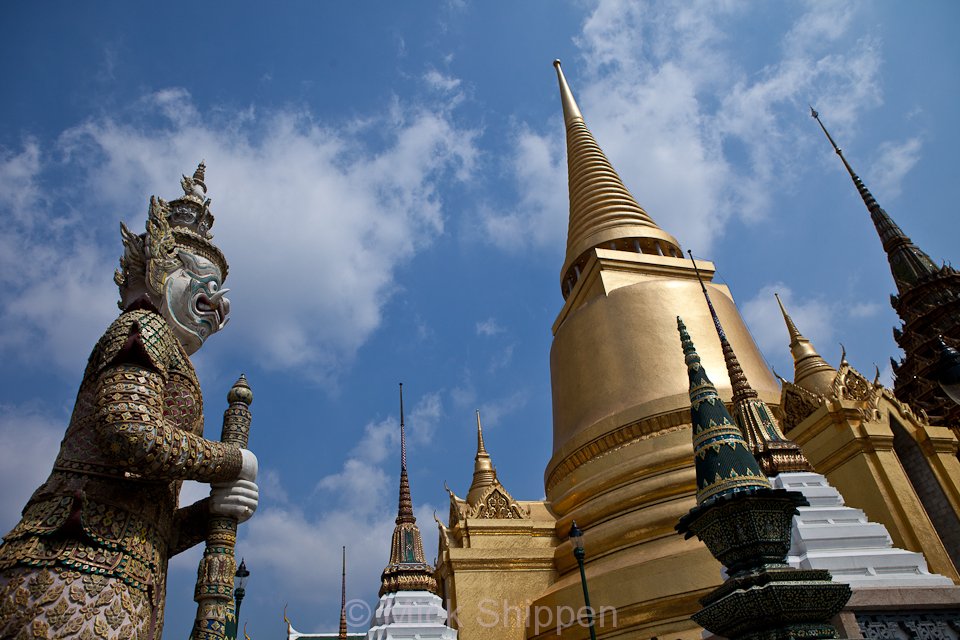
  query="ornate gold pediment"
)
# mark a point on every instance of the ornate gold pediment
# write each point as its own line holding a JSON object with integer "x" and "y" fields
{"x": 796, "y": 403}
{"x": 852, "y": 385}
{"x": 496, "y": 503}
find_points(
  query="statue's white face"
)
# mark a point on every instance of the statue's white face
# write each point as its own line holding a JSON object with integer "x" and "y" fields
{"x": 193, "y": 302}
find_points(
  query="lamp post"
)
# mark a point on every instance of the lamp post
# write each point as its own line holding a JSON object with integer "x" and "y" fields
{"x": 240, "y": 583}
{"x": 576, "y": 537}
{"x": 948, "y": 370}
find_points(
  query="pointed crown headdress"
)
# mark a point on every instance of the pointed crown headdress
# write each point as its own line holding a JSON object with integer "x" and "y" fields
{"x": 179, "y": 225}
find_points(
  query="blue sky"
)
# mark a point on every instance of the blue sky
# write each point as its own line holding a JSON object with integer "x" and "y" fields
{"x": 389, "y": 182}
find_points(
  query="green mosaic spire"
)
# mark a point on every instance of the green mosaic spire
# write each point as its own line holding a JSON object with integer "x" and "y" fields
{"x": 723, "y": 463}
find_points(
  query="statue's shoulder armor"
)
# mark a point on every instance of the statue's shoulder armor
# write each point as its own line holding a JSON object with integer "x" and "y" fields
{"x": 140, "y": 337}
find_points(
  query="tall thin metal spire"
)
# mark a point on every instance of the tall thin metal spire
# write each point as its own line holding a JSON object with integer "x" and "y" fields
{"x": 480, "y": 448}
{"x": 407, "y": 569}
{"x": 403, "y": 436}
{"x": 770, "y": 447}
{"x": 908, "y": 263}
{"x": 343, "y": 597}
{"x": 603, "y": 213}
{"x": 405, "y": 509}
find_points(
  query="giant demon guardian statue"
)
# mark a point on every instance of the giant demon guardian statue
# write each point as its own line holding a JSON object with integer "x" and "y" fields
{"x": 89, "y": 557}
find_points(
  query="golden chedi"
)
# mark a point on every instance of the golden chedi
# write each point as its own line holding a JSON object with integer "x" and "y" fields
{"x": 622, "y": 458}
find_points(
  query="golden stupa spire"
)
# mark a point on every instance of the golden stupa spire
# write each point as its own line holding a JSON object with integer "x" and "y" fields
{"x": 774, "y": 451}
{"x": 908, "y": 263}
{"x": 810, "y": 371}
{"x": 484, "y": 475}
{"x": 408, "y": 570}
{"x": 603, "y": 213}
{"x": 343, "y": 597}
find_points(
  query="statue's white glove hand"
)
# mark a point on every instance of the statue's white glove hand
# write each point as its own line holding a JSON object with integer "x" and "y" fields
{"x": 237, "y": 499}
{"x": 248, "y": 466}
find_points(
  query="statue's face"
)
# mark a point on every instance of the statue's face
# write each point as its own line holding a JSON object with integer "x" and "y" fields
{"x": 193, "y": 302}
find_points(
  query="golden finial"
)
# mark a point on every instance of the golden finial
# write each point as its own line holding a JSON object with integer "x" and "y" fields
{"x": 484, "y": 474}
{"x": 810, "y": 371}
{"x": 603, "y": 213}
{"x": 571, "y": 111}
{"x": 480, "y": 447}
{"x": 240, "y": 391}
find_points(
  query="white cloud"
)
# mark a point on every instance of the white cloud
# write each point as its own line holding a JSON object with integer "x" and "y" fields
{"x": 822, "y": 321}
{"x": 501, "y": 359}
{"x": 19, "y": 192}
{"x": 696, "y": 129}
{"x": 813, "y": 317}
{"x": 362, "y": 483}
{"x": 541, "y": 213}
{"x": 28, "y": 445}
{"x": 489, "y": 327}
{"x": 894, "y": 160}
{"x": 494, "y": 411}
{"x": 863, "y": 309}
{"x": 55, "y": 319}
{"x": 313, "y": 221}
{"x": 423, "y": 419}
{"x": 440, "y": 81}
{"x": 302, "y": 551}
{"x": 465, "y": 394}
{"x": 298, "y": 544}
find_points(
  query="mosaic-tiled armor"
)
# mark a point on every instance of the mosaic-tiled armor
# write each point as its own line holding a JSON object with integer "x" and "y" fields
{"x": 89, "y": 557}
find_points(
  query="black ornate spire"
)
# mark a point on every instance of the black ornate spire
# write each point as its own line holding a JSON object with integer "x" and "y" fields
{"x": 408, "y": 570}
{"x": 746, "y": 525}
{"x": 722, "y": 460}
{"x": 928, "y": 302}
{"x": 769, "y": 446}
{"x": 908, "y": 262}
{"x": 343, "y": 597}
{"x": 405, "y": 508}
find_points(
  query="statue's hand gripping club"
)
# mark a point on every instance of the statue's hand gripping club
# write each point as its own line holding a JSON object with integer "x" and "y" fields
{"x": 237, "y": 499}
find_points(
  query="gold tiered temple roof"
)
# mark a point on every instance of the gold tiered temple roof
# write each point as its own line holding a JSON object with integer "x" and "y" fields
{"x": 603, "y": 213}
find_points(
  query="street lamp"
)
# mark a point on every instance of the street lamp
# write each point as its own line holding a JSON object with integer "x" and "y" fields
{"x": 948, "y": 370}
{"x": 240, "y": 584}
{"x": 576, "y": 537}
